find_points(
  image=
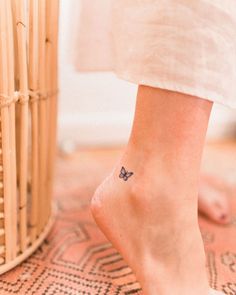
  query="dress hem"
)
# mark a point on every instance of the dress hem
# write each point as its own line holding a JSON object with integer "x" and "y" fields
{"x": 173, "y": 86}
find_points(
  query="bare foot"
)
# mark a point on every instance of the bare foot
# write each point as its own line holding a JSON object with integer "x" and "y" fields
{"x": 157, "y": 235}
{"x": 212, "y": 199}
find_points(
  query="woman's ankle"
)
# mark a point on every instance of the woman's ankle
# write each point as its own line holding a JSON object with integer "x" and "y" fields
{"x": 144, "y": 189}
{"x": 148, "y": 175}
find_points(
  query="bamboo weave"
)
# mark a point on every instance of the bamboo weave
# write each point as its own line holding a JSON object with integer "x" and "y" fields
{"x": 28, "y": 116}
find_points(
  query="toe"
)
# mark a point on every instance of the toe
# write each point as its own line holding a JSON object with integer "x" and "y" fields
{"x": 219, "y": 210}
{"x": 215, "y": 206}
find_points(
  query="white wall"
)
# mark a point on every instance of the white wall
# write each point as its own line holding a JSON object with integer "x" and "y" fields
{"x": 97, "y": 108}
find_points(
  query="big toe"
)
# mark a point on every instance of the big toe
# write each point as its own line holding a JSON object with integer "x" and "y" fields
{"x": 217, "y": 213}
{"x": 215, "y": 206}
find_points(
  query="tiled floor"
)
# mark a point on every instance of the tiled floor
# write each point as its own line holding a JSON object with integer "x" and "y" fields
{"x": 77, "y": 259}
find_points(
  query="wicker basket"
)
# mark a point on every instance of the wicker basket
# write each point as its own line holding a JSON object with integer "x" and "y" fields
{"x": 28, "y": 108}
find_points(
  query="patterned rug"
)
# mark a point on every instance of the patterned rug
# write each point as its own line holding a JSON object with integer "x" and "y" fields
{"x": 77, "y": 259}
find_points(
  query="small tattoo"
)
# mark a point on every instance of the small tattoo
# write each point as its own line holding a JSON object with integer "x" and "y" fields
{"x": 125, "y": 174}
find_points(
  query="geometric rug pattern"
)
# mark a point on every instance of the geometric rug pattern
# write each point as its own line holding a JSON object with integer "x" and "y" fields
{"x": 77, "y": 259}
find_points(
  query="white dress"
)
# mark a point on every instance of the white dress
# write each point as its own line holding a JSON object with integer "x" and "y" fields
{"x": 187, "y": 46}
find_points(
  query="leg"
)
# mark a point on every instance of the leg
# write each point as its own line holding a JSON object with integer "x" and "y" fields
{"x": 152, "y": 217}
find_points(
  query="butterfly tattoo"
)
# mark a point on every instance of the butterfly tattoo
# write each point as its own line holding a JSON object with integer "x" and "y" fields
{"x": 125, "y": 174}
